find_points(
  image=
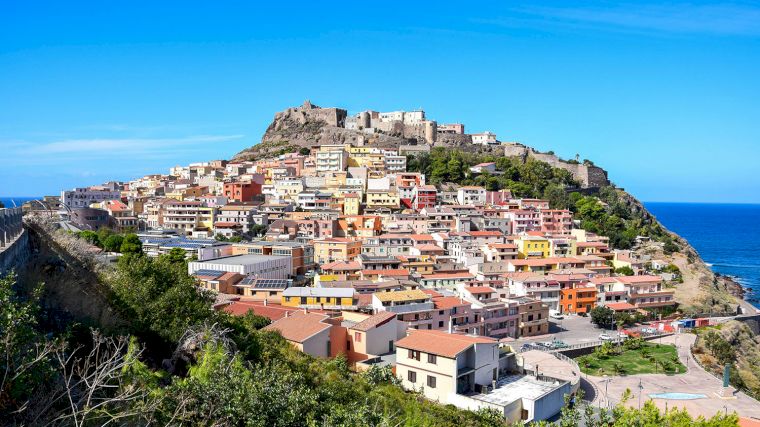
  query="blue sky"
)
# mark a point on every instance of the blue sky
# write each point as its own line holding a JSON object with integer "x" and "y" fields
{"x": 664, "y": 96}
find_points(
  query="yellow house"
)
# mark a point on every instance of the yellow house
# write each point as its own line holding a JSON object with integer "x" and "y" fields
{"x": 331, "y": 249}
{"x": 383, "y": 199}
{"x": 365, "y": 157}
{"x": 206, "y": 217}
{"x": 320, "y": 298}
{"x": 351, "y": 203}
{"x": 533, "y": 247}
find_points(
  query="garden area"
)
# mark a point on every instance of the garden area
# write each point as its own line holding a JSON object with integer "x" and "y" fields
{"x": 634, "y": 356}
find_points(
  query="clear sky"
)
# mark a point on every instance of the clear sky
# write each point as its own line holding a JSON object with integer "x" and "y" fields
{"x": 666, "y": 96}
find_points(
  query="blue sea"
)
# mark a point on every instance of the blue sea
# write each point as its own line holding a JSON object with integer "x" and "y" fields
{"x": 727, "y": 236}
{"x": 8, "y": 201}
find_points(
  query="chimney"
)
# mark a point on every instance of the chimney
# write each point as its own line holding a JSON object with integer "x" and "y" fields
{"x": 451, "y": 327}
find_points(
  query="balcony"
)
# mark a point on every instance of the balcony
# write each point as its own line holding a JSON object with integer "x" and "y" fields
{"x": 411, "y": 308}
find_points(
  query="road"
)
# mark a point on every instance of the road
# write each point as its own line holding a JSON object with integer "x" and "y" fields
{"x": 571, "y": 330}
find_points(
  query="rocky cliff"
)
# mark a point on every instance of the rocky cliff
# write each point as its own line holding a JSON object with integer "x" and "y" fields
{"x": 308, "y": 126}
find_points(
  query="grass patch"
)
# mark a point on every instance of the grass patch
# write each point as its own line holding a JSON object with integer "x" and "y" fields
{"x": 649, "y": 358}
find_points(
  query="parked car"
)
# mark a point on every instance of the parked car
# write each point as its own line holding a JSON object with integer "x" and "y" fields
{"x": 556, "y": 316}
{"x": 605, "y": 337}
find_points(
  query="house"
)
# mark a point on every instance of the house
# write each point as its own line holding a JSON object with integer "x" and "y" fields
{"x": 424, "y": 196}
{"x": 533, "y": 247}
{"x": 448, "y": 280}
{"x": 241, "y": 191}
{"x": 414, "y": 307}
{"x": 647, "y": 291}
{"x": 331, "y": 158}
{"x": 441, "y": 365}
{"x": 328, "y": 250}
{"x": 489, "y": 167}
{"x": 262, "y": 289}
{"x": 320, "y": 298}
{"x": 484, "y": 138}
{"x": 216, "y": 280}
{"x": 471, "y": 195}
{"x": 371, "y": 335}
{"x": 581, "y": 298}
{"x": 311, "y": 333}
{"x": 533, "y": 317}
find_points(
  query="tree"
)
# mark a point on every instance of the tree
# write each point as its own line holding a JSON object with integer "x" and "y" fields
{"x": 176, "y": 256}
{"x": 90, "y": 237}
{"x": 159, "y": 297}
{"x": 131, "y": 244}
{"x": 258, "y": 229}
{"x": 25, "y": 356}
{"x": 624, "y": 271}
{"x": 113, "y": 243}
{"x": 304, "y": 151}
{"x": 602, "y": 316}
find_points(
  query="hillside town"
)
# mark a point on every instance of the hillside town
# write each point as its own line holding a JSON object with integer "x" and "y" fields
{"x": 347, "y": 253}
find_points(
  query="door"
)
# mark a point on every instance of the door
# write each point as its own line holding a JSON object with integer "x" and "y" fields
{"x": 390, "y": 346}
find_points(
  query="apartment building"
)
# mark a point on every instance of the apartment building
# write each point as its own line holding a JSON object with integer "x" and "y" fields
{"x": 327, "y": 250}
{"x": 85, "y": 196}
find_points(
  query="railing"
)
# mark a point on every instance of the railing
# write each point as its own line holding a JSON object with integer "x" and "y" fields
{"x": 410, "y": 308}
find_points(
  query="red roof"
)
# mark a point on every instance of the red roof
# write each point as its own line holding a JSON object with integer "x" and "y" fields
{"x": 300, "y": 326}
{"x": 479, "y": 290}
{"x": 620, "y": 306}
{"x": 388, "y": 272}
{"x": 632, "y": 280}
{"x": 341, "y": 265}
{"x": 374, "y": 321}
{"x": 486, "y": 233}
{"x": 448, "y": 302}
{"x": 440, "y": 343}
{"x": 432, "y": 293}
{"x": 270, "y": 311}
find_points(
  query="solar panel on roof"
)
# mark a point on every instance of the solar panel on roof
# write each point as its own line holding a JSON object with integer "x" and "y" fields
{"x": 210, "y": 273}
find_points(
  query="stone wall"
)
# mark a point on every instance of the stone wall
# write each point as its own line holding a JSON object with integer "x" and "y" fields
{"x": 309, "y": 112}
{"x": 14, "y": 241}
{"x": 588, "y": 175}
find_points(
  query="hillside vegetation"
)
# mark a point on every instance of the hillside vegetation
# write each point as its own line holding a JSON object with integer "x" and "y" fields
{"x": 177, "y": 361}
{"x": 731, "y": 343}
{"x": 606, "y": 211}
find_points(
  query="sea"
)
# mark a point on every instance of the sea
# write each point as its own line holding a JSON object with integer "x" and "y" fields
{"x": 8, "y": 201}
{"x": 727, "y": 237}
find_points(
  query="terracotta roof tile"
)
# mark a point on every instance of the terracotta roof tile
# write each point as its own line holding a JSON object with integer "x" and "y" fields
{"x": 440, "y": 343}
{"x": 374, "y": 321}
{"x": 300, "y": 326}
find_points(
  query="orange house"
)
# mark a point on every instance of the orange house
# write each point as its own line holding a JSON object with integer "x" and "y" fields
{"x": 580, "y": 299}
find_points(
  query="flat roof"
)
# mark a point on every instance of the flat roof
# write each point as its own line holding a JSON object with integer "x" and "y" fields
{"x": 241, "y": 259}
{"x": 515, "y": 387}
{"x": 318, "y": 292}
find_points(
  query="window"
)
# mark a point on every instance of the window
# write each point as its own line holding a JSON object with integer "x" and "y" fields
{"x": 358, "y": 336}
{"x": 440, "y": 323}
{"x": 432, "y": 358}
{"x": 431, "y": 381}
{"x": 414, "y": 354}
{"x": 411, "y": 376}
